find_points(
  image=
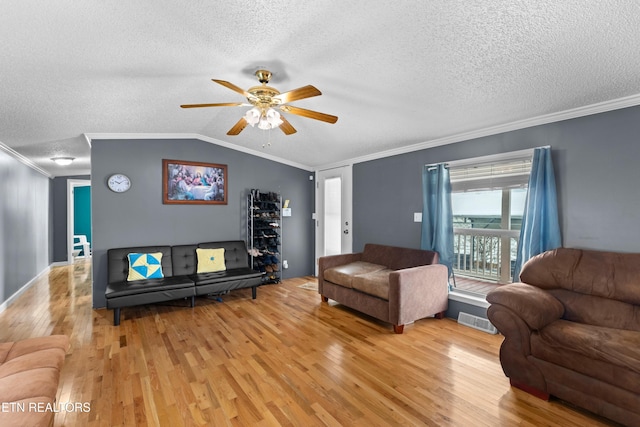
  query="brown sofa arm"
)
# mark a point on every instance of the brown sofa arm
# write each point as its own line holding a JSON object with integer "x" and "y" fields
{"x": 417, "y": 292}
{"x": 517, "y": 310}
{"x": 326, "y": 262}
{"x": 536, "y": 307}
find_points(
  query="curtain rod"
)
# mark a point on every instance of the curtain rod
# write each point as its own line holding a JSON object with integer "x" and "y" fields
{"x": 435, "y": 165}
{"x": 487, "y": 159}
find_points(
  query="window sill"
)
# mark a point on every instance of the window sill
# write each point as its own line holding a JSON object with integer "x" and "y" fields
{"x": 466, "y": 298}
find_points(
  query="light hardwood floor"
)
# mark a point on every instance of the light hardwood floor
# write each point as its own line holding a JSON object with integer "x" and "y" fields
{"x": 282, "y": 359}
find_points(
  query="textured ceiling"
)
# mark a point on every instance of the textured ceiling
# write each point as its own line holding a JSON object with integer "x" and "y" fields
{"x": 395, "y": 73}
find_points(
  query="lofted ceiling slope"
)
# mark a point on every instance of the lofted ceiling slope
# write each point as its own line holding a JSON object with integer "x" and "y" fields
{"x": 395, "y": 73}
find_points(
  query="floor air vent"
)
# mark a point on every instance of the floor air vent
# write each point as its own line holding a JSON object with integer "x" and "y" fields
{"x": 476, "y": 322}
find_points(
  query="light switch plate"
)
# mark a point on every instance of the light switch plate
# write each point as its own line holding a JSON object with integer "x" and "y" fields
{"x": 417, "y": 217}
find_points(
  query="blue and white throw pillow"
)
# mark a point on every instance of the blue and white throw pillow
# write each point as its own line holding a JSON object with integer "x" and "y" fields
{"x": 145, "y": 266}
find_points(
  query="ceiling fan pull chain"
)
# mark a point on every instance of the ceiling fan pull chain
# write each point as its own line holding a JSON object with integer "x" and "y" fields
{"x": 268, "y": 144}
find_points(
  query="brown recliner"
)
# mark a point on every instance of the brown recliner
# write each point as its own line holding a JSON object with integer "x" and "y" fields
{"x": 572, "y": 330}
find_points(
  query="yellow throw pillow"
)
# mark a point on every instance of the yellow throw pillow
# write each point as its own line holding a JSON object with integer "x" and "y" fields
{"x": 210, "y": 260}
{"x": 145, "y": 266}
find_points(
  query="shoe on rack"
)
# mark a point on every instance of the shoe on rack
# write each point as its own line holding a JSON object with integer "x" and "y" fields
{"x": 259, "y": 266}
{"x": 254, "y": 252}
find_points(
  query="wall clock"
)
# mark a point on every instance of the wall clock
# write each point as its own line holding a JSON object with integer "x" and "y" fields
{"x": 119, "y": 183}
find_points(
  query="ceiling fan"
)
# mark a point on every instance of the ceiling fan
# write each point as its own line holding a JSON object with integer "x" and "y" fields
{"x": 265, "y": 100}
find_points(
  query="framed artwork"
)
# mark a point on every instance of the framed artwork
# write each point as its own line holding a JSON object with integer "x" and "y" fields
{"x": 193, "y": 183}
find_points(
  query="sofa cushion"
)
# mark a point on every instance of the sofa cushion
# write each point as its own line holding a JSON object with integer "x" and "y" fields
{"x": 397, "y": 258}
{"x": 120, "y": 289}
{"x": 144, "y": 266}
{"x": 12, "y": 350}
{"x": 343, "y": 274}
{"x": 43, "y": 358}
{"x": 210, "y": 260}
{"x": 599, "y": 311}
{"x": 375, "y": 283}
{"x": 184, "y": 260}
{"x": 223, "y": 281}
{"x": 605, "y": 274}
{"x": 29, "y": 375}
{"x": 615, "y": 346}
{"x": 34, "y": 382}
{"x": 225, "y": 276}
{"x": 235, "y": 252}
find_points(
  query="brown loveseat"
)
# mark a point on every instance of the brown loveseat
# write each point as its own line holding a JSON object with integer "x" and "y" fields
{"x": 29, "y": 375}
{"x": 572, "y": 330}
{"x": 395, "y": 285}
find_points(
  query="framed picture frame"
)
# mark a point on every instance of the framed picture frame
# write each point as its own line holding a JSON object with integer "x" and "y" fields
{"x": 193, "y": 183}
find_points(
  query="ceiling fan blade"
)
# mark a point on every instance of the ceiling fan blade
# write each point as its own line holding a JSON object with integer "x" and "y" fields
{"x": 222, "y": 104}
{"x": 297, "y": 94}
{"x": 232, "y": 87}
{"x": 238, "y": 127}
{"x": 309, "y": 113}
{"x": 286, "y": 126}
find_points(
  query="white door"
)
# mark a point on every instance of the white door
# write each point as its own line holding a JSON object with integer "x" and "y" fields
{"x": 333, "y": 212}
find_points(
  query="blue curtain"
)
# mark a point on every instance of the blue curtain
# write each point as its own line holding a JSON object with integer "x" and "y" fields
{"x": 540, "y": 226}
{"x": 437, "y": 215}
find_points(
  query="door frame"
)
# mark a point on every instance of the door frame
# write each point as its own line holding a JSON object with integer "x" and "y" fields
{"x": 71, "y": 185}
{"x": 347, "y": 200}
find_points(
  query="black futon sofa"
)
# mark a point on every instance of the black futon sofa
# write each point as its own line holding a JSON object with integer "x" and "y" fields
{"x": 181, "y": 280}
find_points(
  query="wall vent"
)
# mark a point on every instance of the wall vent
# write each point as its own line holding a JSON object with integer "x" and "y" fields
{"x": 476, "y": 322}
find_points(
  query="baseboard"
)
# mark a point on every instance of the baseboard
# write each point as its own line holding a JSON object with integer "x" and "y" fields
{"x": 59, "y": 264}
{"x": 23, "y": 289}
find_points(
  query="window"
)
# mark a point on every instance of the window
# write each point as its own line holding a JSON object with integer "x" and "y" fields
{"x": 488, "y": 202}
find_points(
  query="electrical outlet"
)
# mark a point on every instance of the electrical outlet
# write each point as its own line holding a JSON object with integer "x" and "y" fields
{"x": 285, "y": 264}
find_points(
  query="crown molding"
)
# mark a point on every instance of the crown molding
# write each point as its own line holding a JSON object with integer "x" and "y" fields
{"x": 602, "y": 107}
{"x": 88, "y": 139}
{"x": 91, "y": 136}
{"x": 574, "y": 113}
{"x": 24, "y": 160}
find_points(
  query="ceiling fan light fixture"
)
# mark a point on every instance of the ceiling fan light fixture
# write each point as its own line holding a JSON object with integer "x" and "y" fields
{"x": 265, "y": 119}
{"x": 264, "y": 124}
{"x": 253, "y": 116}
{"x": 63, "y": 161}
{"x": 273, "y": 117}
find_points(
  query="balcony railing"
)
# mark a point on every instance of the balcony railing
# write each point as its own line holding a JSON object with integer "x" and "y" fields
{"x": 480, "y": 253}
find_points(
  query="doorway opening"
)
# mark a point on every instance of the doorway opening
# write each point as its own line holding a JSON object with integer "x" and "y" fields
{"x": 333, "y": 212}
{"x": 78, "y": 219}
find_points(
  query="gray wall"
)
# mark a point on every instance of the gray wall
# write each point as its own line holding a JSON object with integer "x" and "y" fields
{"x": 138, "y": 217}
{"x": 597, "y": 174}
{"x": 24, "y": 224}
{"x": 59, "y": 215}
